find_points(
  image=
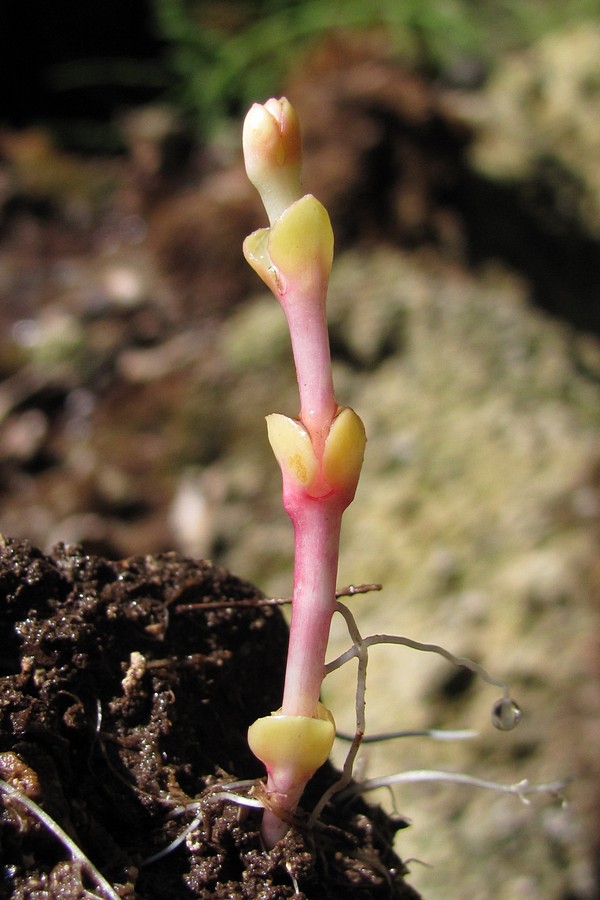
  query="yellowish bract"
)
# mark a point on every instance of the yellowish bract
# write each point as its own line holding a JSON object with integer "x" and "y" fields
{"x": 297, "y": 249}
{"x": 301, "y": 242}
{"x": 300, "y": 744}
{"x": 292, "y": 448}
{"x": 344, "y": 450}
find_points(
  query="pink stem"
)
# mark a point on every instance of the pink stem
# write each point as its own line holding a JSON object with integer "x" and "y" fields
{"x": 310, "y": 345}
{"x": 284, "y": 792}
{"x": 273, "y": 828}
{"x": 317, "y": 523}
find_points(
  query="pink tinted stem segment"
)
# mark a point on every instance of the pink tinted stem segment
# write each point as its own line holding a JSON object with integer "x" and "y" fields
{"x": 307, "y": 323}
{"x": 317, "y": 523}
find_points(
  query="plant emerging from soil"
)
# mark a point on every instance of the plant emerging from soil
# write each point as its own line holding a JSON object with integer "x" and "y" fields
{"x": 320, "y": 455}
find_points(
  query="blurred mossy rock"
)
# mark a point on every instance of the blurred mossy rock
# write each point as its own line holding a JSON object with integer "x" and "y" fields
{"x": 541, "y": 121}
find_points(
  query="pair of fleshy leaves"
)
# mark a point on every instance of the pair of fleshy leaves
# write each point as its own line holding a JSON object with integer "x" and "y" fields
{"x": 297, "y": 250}
{"x": 340, "y": 466}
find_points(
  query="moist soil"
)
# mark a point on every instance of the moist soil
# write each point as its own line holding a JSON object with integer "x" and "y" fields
{"x": 126, "y": 692}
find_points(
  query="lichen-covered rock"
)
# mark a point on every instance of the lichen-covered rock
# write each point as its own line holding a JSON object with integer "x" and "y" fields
{"x": 539, "y": 121}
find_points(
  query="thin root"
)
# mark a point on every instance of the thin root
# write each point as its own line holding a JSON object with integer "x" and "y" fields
{"x": 505, "y": 711}
{"x": 77, "y": 855}
{"x": 522, "y": 789}
{"x": 211, "y": 795}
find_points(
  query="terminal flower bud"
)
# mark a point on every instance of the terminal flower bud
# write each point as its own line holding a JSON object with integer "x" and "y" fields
{"x": 273, "y": 154}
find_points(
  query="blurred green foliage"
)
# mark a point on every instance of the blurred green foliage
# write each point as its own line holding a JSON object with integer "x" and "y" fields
{"x": 212, "y": 58}
{"x": 224, "y": 55}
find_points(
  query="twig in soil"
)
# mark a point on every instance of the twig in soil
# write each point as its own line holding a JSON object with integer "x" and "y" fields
{"x": 350, "y": 591}
{"x": 77, "y": 855}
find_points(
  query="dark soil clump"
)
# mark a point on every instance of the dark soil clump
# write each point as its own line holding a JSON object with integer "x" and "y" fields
{"x": 125, "y": 698}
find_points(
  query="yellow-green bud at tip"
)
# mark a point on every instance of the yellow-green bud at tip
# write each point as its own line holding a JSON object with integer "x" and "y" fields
{"x": 297, "y": 744}
{"x": 292, "y": 448}
{"x": 273, "y": 154}
{"x": 344, "y": 450}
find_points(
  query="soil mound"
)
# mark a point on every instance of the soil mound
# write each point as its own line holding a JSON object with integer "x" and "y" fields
{"x": 126, "y": 690}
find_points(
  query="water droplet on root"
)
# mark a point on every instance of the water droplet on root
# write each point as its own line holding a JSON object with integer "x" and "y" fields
{"x": 506, "y": 714}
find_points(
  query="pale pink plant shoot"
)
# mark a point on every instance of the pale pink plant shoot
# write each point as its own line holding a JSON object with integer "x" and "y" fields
{"x": 320, "y": 453}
